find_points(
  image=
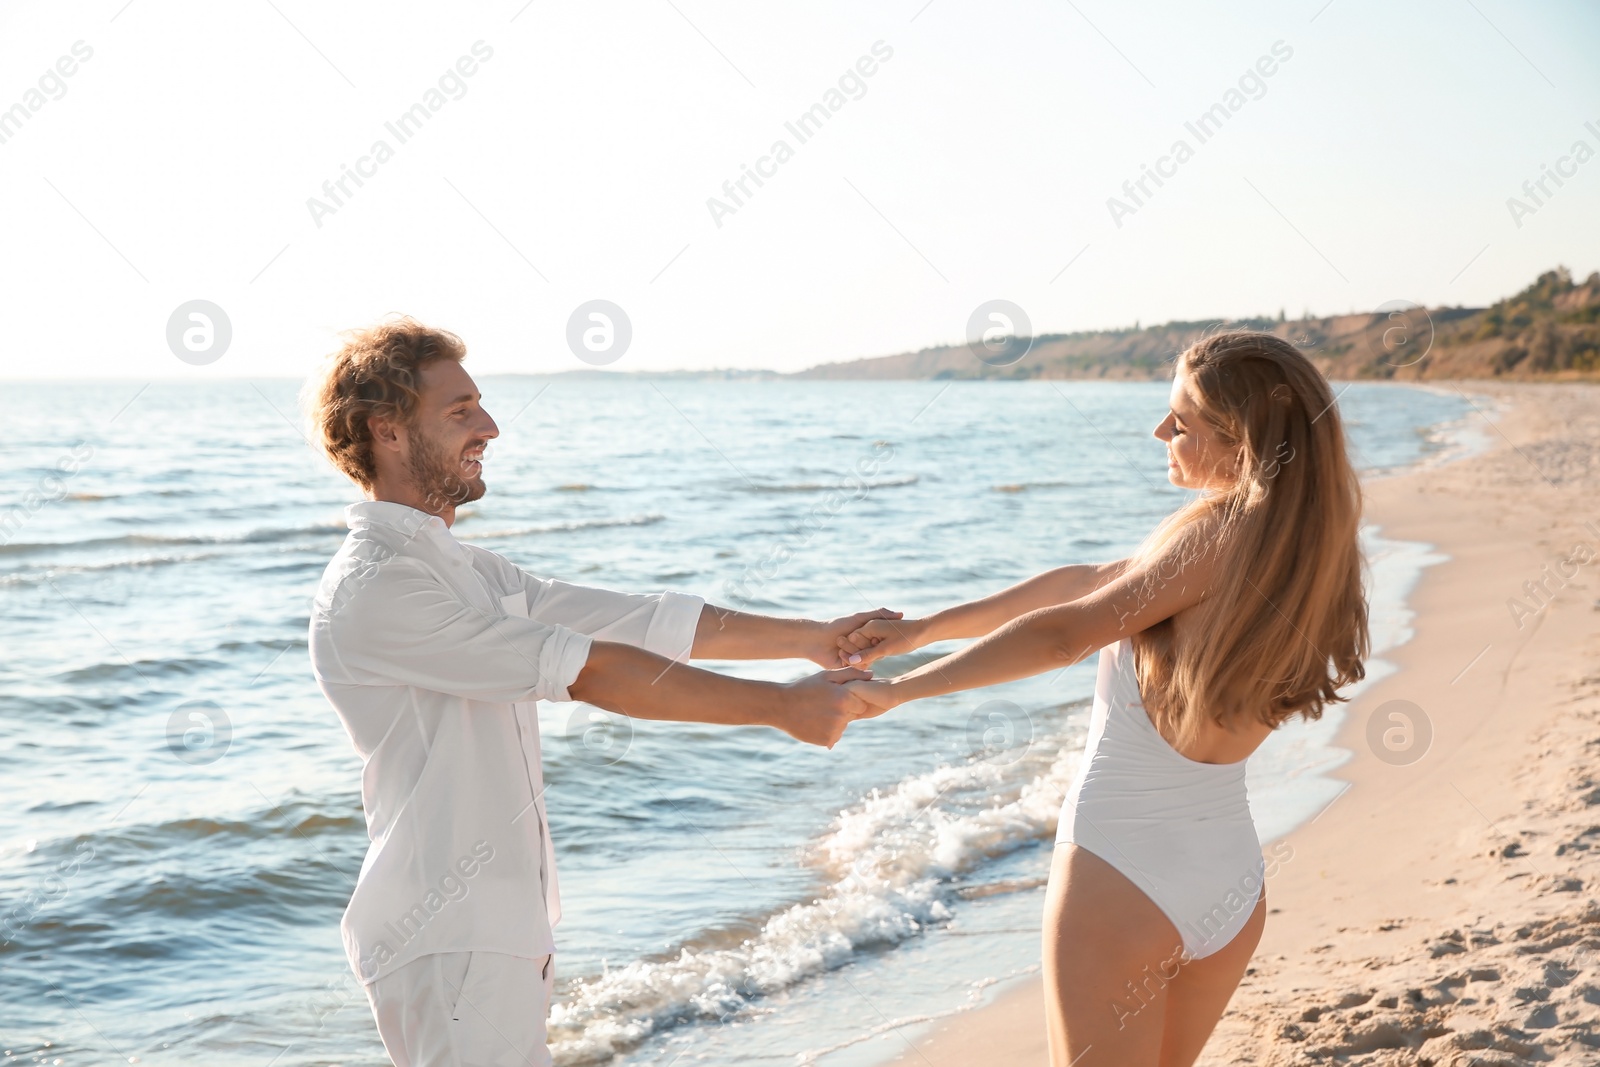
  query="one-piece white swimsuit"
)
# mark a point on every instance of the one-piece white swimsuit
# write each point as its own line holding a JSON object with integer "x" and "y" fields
{"x": 1178, "y": 829}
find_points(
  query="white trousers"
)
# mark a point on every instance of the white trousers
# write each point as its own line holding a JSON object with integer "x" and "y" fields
{"x": 465, "y": 1009}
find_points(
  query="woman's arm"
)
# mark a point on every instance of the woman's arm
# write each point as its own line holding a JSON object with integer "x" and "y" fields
{"x": 875, "y": 640}
{"x": 978, "y": 617}
{"x": 1045, "y": 638}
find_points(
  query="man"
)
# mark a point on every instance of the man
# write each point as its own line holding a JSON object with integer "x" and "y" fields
{"x": 435, "y": 653}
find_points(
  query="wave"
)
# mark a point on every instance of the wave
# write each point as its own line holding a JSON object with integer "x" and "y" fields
{"x": 1460, "y": 438}
{"x": 1022, "y": 487}
{"x": 124, "y": 905}
{"x": 892, "y": 867}
{"x": 823, "y": 487}
{"x": 296, "y": 819}
{"x": 293, "y": 819}
{"x": 182, "y": 666}
{"x": 92, "y": 497}
{"x": 561, "y": 527}
{"x": 34, "y": 575}
{"x": 145, "y": 670}
{"x": 262, "y": 536}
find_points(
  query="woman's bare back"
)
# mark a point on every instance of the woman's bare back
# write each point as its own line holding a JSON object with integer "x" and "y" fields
{"x": 1216, "y": 744}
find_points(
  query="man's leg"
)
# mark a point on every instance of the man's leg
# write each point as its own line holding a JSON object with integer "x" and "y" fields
{"x": 458, "y": 1009}
{"x": 500, "y": 1016}
{"x": 412, "y": 1007}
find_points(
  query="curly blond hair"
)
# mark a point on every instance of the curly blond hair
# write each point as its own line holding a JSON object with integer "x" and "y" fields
{"x": 375, "y": 374}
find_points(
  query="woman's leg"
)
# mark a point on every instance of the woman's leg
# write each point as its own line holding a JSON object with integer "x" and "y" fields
{"x": 1197, "y": 997}
{"x": 1108, "y": 956}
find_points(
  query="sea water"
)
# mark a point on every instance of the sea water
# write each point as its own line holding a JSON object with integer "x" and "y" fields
{"x": 171, "y": 885}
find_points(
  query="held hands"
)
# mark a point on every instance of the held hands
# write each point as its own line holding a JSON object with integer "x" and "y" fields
{"x": 881, "y": 636}
{"x": 830, "y": 648}
{"x": 820, "y": 706}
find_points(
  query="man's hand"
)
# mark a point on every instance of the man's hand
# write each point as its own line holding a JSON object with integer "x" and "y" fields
{"x": 819, "y": 707}
{"x": 829, "y": 649}
{"x": 879, "y": 637}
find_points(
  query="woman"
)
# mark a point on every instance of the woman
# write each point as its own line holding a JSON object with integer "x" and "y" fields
{"x": 1242, "y": 609}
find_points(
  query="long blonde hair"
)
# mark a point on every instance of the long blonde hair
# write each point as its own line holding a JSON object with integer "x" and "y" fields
{"x": 1283, "y": 625}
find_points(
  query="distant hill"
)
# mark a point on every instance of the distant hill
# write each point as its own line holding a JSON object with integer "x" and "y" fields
{"x": 1549, "y": 330}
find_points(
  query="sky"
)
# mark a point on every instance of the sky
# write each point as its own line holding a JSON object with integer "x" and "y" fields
{"x": 558, "y": 154}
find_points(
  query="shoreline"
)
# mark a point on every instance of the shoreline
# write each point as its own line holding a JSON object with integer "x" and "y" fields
{"x": 1347, "y": 941}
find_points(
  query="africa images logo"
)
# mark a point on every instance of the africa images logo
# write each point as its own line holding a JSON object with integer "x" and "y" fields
{"x": 452, "y": 887}
{"x": 1206, "y": 126}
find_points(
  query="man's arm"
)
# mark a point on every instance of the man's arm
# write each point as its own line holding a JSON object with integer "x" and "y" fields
{"x": 401, "y": 626}
{"x": 662, "y": 622}
{"x": 723, "y": 633}
{"x": 641, "y": 684}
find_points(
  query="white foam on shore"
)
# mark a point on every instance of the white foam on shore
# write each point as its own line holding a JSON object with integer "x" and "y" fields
{"x": 890, "y": 865}
{"x": 1469, "y": 435}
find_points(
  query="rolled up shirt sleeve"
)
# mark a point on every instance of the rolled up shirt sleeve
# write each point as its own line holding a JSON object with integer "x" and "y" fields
{"x": 404, "y": 626}
{"x": 663, "y": 623}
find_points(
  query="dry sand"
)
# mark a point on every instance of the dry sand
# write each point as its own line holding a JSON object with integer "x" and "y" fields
{"x": 1442, "y": 912}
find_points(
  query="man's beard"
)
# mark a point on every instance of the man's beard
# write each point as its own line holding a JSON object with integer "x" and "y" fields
{"x": 438, "y": 477}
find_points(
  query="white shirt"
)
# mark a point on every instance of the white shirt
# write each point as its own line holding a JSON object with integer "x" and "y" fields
{"x": 434, "y": 654}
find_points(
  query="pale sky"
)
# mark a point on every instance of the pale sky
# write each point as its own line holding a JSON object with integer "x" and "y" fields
{"x": 176, "y": 161}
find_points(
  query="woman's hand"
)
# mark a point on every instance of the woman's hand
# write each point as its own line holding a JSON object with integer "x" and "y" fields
{"x": 825, "y": 640}
{"x": 874, "y": 640}
{"x": 878, "y": 696}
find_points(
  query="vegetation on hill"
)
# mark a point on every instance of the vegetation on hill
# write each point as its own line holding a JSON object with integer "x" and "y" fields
{"x": 1549, "y": 330}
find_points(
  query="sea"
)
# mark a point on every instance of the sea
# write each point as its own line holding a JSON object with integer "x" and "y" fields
{"x": 180, "y": 816}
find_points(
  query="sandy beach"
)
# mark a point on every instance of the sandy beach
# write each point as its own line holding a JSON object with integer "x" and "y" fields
{"x": 1445, "y": 908}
